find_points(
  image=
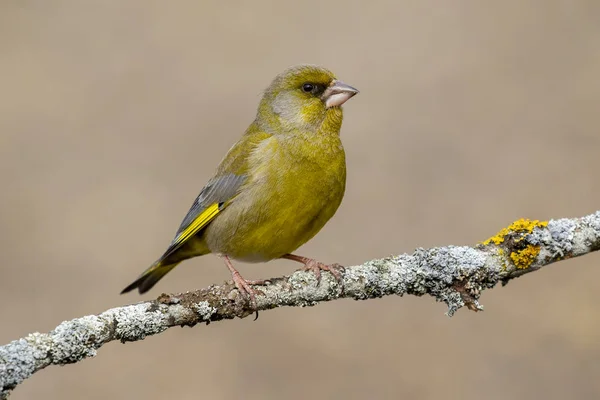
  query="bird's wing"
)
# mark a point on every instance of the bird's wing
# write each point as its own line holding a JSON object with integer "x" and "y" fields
{"x": 220, "y": 190}
{"x": 213, "y": 198}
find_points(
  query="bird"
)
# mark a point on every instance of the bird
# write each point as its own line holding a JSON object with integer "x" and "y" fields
{"x": 275, "y": 188}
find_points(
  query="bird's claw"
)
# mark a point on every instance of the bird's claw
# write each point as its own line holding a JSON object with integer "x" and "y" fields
{"x": 246, "y": 290}
{"x": 316, "y": 267}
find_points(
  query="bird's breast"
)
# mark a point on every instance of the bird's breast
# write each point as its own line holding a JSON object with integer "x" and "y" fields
{"x": 292, "y": 191}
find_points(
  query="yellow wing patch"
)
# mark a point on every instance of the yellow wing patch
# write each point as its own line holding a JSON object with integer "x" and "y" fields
{"x": 197, "y": 224}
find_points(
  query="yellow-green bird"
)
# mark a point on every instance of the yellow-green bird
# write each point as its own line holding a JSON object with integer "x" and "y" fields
{"x": 276, "y": 187}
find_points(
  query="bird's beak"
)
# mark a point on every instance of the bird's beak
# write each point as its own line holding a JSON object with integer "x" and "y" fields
{"x": 338, "y": 93}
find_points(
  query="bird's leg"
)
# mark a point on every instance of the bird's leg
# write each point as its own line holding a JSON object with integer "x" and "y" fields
{"x": 242, "y": 284}
{"x": 316, "y": 267}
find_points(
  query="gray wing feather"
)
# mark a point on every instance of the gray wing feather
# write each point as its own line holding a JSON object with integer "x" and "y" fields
{"x": 219, "y": 190}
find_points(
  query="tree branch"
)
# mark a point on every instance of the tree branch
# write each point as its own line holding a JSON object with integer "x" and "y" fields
{"x": 452, "y": 274}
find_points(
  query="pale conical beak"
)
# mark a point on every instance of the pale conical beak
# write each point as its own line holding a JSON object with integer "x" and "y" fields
{"x": 338, "y": 93}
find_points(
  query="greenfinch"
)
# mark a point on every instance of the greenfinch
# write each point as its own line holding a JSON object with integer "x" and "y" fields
{"x": 276, "y": 187}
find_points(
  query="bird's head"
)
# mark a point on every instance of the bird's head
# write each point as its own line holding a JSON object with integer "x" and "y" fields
{"x": 303, "y": 97}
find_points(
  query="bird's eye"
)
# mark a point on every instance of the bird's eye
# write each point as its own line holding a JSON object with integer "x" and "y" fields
{"x": 308, "y": 87}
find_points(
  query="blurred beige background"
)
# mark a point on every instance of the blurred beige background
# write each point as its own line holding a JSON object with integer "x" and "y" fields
{"x": 113, "y": 115}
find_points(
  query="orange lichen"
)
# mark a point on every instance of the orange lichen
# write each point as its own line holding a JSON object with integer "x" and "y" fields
{"x": 521, "y": 226}
{"x": 524, "y": 258}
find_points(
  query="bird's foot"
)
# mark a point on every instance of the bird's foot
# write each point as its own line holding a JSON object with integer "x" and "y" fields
{"x": 316, "y": 267}
{"x": 245, "y": 286}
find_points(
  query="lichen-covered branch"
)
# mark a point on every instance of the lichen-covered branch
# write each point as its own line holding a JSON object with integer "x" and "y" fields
{"x": 452, "y": 274}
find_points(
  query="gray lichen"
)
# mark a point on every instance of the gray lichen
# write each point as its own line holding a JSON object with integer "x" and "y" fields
{"x": 592, "y": 221}
{"x": 563, "y": 232}
{"x": 205, "y": 310}
{"x": 136, "y": 322}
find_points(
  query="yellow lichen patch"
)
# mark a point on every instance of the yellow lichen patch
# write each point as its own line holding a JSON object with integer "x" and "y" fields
{"x": 524, "y": 258}
{"x": 519, "y": 226}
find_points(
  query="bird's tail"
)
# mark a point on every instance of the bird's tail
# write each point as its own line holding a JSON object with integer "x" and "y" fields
{"x": 150, "y": 276}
